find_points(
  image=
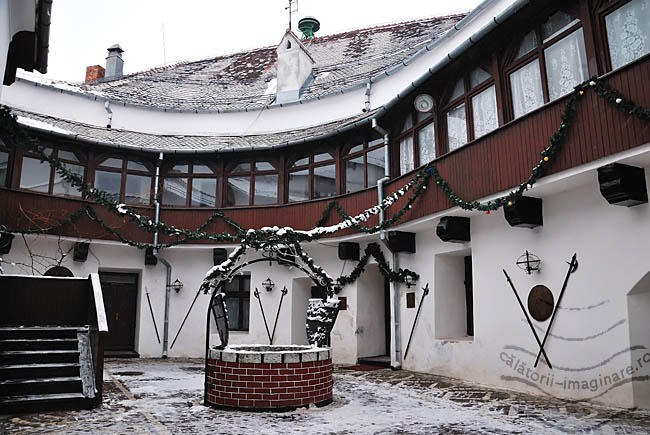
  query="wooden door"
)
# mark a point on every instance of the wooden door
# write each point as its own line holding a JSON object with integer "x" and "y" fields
{"x": 120, "y": 292}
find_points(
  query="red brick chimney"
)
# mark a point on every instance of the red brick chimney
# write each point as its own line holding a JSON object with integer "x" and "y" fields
{"x": 94, "y": 73}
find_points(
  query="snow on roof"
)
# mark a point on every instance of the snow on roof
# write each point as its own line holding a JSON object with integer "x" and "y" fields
{"x": 241, "y": 81}
{"x": 180, "y": 143}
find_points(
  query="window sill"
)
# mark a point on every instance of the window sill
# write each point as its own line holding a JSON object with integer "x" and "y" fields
{"x": 466, "y": 339}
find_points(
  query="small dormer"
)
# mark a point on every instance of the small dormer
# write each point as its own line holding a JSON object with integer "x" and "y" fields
{"x": 294, "y": 67}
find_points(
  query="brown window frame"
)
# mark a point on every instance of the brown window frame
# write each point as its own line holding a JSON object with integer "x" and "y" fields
{"x": 251, "y": 173}
{"x": 82, "y": 160}
{"x": 601, "y": 9}
{"x": 413, "y": 131}
{"x": 123, "y": 171}
{"x": 310, "y": 166}
{"x": 346, "y": 155}
{"x": 537, "y": 53}
{"x": 190, "y": 175}
{"x": 10, "y": 162}
{"x": 469, "y": 92}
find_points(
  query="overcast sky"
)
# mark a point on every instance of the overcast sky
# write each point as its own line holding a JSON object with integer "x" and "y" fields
{"x": 197, "y": 29}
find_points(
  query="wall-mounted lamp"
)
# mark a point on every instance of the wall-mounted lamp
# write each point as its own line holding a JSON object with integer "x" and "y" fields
{"x": 176, "y": 285}
{"x": 529, "y": 262}
{"x": 268, "y": 284}
{"x": 409, "y": 281}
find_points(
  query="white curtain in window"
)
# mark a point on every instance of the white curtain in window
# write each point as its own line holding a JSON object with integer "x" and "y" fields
{"x": 484, "y": 112}
{"x": 406, "y": 163}
{"x": 566, "y": 64}
{"x": 456, "y": 127}
{"x": 526, "y": 85}
{"x": 628, "y": 32}
{"x": 427, "y": 144}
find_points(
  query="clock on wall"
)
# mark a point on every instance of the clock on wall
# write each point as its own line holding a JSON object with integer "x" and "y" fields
{"x": 423, "y": 103}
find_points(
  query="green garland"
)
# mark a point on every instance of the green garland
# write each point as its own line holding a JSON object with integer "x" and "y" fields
{"x": 373, "y": 250}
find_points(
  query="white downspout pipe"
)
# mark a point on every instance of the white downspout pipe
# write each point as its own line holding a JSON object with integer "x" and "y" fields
{"x": 168, "y": 267}
{"x": 396, "y": 354}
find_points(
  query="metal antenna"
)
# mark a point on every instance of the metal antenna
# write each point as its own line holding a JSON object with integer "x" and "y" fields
{"x": 291, "y": 10}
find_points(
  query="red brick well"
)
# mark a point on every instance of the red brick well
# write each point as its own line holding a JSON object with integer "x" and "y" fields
{"x": 257, "y": 377}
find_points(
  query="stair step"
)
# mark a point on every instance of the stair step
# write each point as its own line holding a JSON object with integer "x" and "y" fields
{"x": 46, "y": 370}
{"x": 16, "y": 387}
{"x": 8, "y": 357}
{"x": 40, "y": 331}
{"x": 39, "y": 344}
{"x": 39, "y": 402}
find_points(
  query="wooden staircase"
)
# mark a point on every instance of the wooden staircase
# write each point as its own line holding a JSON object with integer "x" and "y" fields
{"x": 45, "y": 368}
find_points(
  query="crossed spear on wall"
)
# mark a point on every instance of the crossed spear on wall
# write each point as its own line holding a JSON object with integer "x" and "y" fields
{"x": 573, "y": 265}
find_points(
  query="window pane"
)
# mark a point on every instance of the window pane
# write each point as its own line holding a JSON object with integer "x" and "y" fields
{"x": 528, "y": 44}
{"x": 238, "y": 191}
{"x": 266, "y": 189}
{"x": 354, "y": 174}
{"x": 35, "y": 175}
{"x": 67, "y": 155}
{"x": 324, "y": 181}
{"x": 407, "y": 123}
{"x": 62, "y": 187}
{"x": 427, "y": 144}
{"x": 459, "y": 89}
{"x": 264, "y": 166}
{"x": 484, "y": 112}
{"x": 299, "y": 185}
{"x": 112, "y": 163}
{"x": 478, "y": 76}
{"x": 138, "y": 189}
{"x": 406, "y": 163}
{"x": 174, "y": 191}
{"x": 109, "y": 182}
{"x": 242, "y": 167}
{"x": 628, "y": 32}
{"x": 456, "y": 127}
{"x": 4, "y": 168}
{"x": 526, "y": 84}
{"x": 204, "y": 192}
{"x": 356, "y": 149}
{"x": 201, "y": 169}
{"x": 376, "y": 165}
{"x": 232, "y": 308}
{"x": 301, "y": 162}
{"x": 182, "y": 168}
{"x": 557, "y": 23}
{"x": 375, "y": 142}
{"x": 322, "y": 157}
{"x": 137, "y": 166}
{"x": 566, "y": 64}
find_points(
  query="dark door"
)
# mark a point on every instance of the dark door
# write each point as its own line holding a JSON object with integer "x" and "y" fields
{"x": 469, "y": 296}
{"x": 387, "y": 315}
{"x": 120, "y": 292}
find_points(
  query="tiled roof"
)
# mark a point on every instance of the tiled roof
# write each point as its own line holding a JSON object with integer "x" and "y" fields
{"x": 178, "y": 143}
{"x": 245, "y": 81}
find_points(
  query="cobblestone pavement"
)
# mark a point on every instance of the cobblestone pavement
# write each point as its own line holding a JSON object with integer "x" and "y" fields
{"x": 164, "y": 396}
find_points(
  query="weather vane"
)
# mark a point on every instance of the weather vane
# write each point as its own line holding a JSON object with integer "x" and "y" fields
{"x": 291, "y": 9}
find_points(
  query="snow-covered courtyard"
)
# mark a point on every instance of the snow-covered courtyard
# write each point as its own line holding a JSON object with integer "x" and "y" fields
{"x": 165, "y": 396}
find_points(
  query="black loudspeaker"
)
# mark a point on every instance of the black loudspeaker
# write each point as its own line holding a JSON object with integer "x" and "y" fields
{"x": 80, "y": 252}
{"x": 623, "y": 184}
{"x": 453, "y": 229}
{"x": 526, "y": 212}
{"x": 5, "y": 242}
{"x": 219, "y": 255}
{"x": 149, "y": 258}
{"x": 349, "y": 251}
{"x": 401, "y": 241}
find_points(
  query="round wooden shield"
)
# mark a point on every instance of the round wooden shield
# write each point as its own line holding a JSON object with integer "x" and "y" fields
{"x": 59, "y": 271}
{"x": 540, "y": 303}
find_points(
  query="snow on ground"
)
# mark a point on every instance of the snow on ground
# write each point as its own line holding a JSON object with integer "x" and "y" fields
{"x": 164, "y": 396}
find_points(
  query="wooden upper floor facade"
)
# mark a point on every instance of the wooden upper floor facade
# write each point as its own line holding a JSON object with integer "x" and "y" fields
{"x": 482, "y": 120}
